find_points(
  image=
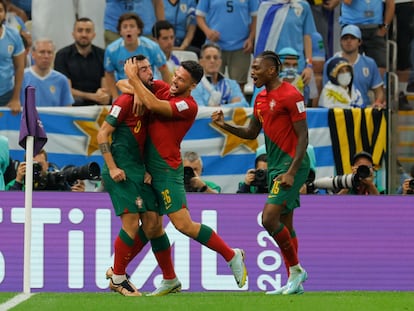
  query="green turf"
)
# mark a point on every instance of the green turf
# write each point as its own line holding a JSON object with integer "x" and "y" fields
{"x": 210, "y": 301}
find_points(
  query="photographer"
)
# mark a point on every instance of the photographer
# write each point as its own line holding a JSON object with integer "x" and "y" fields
{"x": 255, "y": 180}
{"x": 366, "y": 185}
{"x": 407, "y": 187}
{"x": 193, "y": 168}
{"x": 42, "y": 169}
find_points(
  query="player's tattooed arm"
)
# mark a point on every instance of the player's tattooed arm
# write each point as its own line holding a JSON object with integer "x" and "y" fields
{"x": 104, "y": 147}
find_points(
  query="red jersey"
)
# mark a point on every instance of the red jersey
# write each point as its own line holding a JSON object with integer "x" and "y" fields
{"x": 165, "y": 134}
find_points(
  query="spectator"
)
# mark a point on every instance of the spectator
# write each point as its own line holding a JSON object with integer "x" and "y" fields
{"x": 52, "y": 87}
{"x": 232, "y": 27}
{"x": 82, "y": 63}
{"x": 255, "y": 180}
{"x": 373, "y": 18}
{"x": 4, "y": 159}
{"x": 214, "y": 89}
{"x": 148, "y": 11}
{"x": 24, "y": 5}
{"x": 181, "y": 14}
{"x": 340, "y": 92}
{"x": 132, "y": 43}
{"x": 366, "y": 74}
{"x": 11, "y": 63}
{"x": 323, "y": 15}
{"x": 318, "y": 61}
{"x": 404, "y": 12}
{"x": 41, "y": 169}
{"x": 366, "y": 185}
{"x": 16, "y": 18}
{"x": 164, "y": 34}
{"x": 193, "y": 169}
{"x": 407, "y": 180}
{"x": 290, "y": 73}
{"x": 283, "y": 24}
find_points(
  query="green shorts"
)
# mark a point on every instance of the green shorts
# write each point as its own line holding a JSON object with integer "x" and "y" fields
{"x": 287, "y": 197}
{"x": 170, "y": 192}
{"x": 131, "y": 195}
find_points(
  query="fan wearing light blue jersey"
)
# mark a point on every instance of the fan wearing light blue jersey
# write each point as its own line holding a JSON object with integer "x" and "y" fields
{"x": 52, "y": 87}
{"x": 215, "y": 89}
{"x": 11, "y": 63}
{"x": 285, "y": 23}
{"x": 181, "y": 14}
{"x": 132, "y": 43}
{"x": 149, "y": 11}
{"x": 366, "y": 74}
{"x": 232, "y": 26}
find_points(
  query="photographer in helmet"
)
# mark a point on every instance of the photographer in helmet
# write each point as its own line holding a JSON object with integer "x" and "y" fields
{"x": 193, "y": 168}
{"x": 365, "y": 185}
{"x": 41, "y": 168}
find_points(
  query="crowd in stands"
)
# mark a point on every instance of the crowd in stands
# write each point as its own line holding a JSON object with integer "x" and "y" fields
{"x": 300, "y": 31}
{"x": 80, "y": 60}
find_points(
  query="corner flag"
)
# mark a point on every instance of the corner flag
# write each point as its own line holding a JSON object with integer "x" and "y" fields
{"x": 30, "y": 124}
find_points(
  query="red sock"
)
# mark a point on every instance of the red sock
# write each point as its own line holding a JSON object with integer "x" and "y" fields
{"x": 122, "y": 256}
{"x": 164, "y": 261}
{"x": 140, "y": 241}
{"x": 215, "y": 242}
{"x": 286, "y": 246}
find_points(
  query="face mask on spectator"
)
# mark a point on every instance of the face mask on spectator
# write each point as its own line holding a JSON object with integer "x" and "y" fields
{"x": 289, "y": 72}
{"x": 344, "y": 78}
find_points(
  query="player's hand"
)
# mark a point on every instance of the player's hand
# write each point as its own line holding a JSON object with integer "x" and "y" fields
{"x": 117, "y": 174}
{"x": 286, "y": 180}
{"x": 218, "y": 117}
{"x": 131, "y": 68}
{"x": 147, "y": 178}
{"x": 138, "y": 107}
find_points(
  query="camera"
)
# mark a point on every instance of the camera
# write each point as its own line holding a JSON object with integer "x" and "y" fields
{"x": 188, "y": 174}
{"x": 411, "y": 186}
{"x": 347, "y": 181}
{"x": 66, "y": 177}
{"x": 310, "y": 185}
{"x": 260, "y": 178}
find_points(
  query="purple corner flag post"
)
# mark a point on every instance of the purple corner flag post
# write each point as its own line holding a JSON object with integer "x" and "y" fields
{"x": 32, "y": 138}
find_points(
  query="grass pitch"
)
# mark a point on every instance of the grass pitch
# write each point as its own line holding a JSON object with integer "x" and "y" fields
{"x": 211, "y": 301}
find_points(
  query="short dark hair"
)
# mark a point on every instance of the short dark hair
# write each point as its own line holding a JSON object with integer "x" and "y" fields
{"x": 128, "y": 16}
{"x": 138, "y": 57}
{"x": 362, "y": 154}
{"x": 260, "y": 158}
{"x": 209, "y": 45}
{"x": 194, "y": 68}
{"x": 273, "y": 57}
{"x": 161, "y": 25}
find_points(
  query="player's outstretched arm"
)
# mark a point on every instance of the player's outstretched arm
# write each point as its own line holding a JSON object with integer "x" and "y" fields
{"x": 251, "y": 131}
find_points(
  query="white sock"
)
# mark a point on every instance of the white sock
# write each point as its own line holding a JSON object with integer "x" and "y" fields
{"x": 118, "y": 279}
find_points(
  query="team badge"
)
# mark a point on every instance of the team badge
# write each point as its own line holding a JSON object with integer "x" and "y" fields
{"x": 52, "y": 89}
{"x": 183, "y": 7}
{"x": 139, "y": 202}
{"x": 301, "y": 106}
{"x": 365, "y": 71}
{"x": 272, "y": 104}
{"x": 10, "y": 49}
